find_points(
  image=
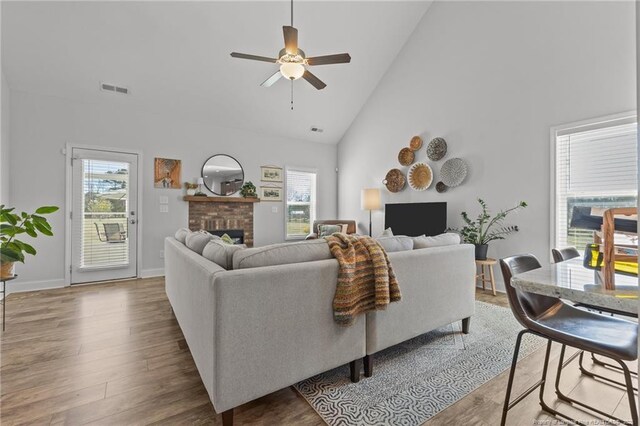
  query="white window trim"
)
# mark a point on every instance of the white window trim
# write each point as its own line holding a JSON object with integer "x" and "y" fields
{"x": 590, "y": 124}
{"x": 284, "y": 199}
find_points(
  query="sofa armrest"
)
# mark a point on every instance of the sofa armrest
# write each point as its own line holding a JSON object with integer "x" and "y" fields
{"x": 189, "y": 287}
{"x": 274, "y": 327}
{"x": 438, "y": 288}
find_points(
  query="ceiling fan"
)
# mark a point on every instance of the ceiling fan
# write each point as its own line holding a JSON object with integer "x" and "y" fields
{"x": 293, "y": 61}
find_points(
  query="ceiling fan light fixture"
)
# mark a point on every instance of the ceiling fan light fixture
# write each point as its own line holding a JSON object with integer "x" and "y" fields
{"x": 292, "y": 71}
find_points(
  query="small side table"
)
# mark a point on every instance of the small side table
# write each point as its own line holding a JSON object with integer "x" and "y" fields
{"x": 485, "y": 274}
{"x": 4, "y": 296}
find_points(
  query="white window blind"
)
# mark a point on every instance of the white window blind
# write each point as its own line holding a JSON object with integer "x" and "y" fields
{"x": 300, "y": 209}
{"x": 595, "y": 166}
{"x": 103, "y": 241}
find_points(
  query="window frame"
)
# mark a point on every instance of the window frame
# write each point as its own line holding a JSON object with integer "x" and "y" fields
{"x": 313, "y": 204}
{"x": 554, "y": 132}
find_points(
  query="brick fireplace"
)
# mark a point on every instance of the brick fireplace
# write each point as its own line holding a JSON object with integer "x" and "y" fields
{"x": 218, "y": 213}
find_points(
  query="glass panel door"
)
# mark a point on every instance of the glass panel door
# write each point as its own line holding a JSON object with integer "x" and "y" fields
{"x": 104, "y": 240}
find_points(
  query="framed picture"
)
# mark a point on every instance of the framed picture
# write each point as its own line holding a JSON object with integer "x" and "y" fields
{"x": 270, "y": 193}
{"x": 271, "y": 174}
{"x": 167, "y": 173}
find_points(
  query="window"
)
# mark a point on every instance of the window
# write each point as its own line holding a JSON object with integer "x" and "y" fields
{"x": 595, "y": 166}
{"x": 300, "y": 208}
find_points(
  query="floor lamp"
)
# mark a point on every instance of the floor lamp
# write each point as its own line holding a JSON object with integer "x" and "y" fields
{"x": 370, "y": 199}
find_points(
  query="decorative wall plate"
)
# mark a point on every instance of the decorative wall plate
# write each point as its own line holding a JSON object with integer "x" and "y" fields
{"x": 436, "y": 149}
{"x": 416, "y": 143}
{"x": 420, "y": 176}
{"x": 441, "y": 187}
{"x": 453, "y": 172}
{"x": 395, "y": 180}
{"x": 406, "y": 157}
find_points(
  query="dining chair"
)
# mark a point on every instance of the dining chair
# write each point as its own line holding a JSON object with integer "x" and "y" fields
{"x": 562, "y": 254}
{"x": 567, "y": 253}
{"x": 552, "y": 319}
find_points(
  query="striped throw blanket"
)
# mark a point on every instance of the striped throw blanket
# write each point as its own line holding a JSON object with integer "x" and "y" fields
{"x": 366, "y": 281}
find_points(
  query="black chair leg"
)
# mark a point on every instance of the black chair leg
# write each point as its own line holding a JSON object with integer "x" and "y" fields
{"x": 368, "y": 365}
{"x": 514, "y": 361}
{"x": 575, "y": 402}
{"x": 354, "y": 367}
{"x": 632, "y": 399}
{"x": 606, "y": 365}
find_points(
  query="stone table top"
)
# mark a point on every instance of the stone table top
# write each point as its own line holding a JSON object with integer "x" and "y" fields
{"x": 570, "y": 280}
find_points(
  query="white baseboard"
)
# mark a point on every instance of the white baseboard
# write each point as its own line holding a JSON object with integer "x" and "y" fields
{"x": 22, "y": 286}
{"x": 18, "y": 286}
{"x": 149, "y": 273}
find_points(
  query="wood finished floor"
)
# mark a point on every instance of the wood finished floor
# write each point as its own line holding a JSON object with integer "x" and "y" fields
{"x": 114, "y": 354}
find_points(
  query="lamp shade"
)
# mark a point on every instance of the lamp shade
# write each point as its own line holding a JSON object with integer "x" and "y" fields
{"x": 370, "y": 199}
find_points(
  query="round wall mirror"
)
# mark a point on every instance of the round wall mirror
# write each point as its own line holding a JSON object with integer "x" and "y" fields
{"x": 222, "y": 175}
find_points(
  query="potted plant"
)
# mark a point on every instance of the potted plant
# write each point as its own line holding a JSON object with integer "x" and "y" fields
{"x": 248, "y": 190}
{"x": 11, "y": 224}
{"x": 485, "y": 229}
{"x": 191, "y": 188}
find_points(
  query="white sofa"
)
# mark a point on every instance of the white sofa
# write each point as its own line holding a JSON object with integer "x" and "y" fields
{"x": 259, "y": 329}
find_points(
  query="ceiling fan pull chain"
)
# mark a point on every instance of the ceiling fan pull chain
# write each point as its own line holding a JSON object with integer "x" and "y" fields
{"x": 291, "y": 95}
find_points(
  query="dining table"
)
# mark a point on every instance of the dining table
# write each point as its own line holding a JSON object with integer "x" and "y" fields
{"x": 571, "y": 280}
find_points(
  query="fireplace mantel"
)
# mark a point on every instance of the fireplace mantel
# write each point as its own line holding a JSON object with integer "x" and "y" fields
{"x": 201, "y": 199}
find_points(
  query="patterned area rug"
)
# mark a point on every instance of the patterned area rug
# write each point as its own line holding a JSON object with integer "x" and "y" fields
{"x": 415, "y": 380}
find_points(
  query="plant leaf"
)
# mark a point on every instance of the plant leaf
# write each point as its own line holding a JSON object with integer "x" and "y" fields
{"x": 47, "y": 209}
{"x": 43, "y": 229}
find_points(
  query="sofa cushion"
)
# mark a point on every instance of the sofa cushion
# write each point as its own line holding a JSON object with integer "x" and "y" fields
{"x": 281, "y": 254}
{"x": 446, "y": 239}
{"x": 221, "y": 253}
{"x": 397, "y": 243}
{"x": 181, "y": 235}
{"x": 197, "y": 240}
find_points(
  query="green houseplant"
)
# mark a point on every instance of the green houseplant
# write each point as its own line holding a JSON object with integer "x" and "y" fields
{"x": 248, "y": 190}
{"x": 485, "y": 229}
{"x": 11, "y": 225}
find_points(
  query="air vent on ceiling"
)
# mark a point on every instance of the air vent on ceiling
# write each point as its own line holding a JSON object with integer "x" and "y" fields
{"x": 108, "y": 87}
{"x": 316, "y": 129}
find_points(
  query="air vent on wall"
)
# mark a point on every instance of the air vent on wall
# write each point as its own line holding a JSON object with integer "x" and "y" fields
{"x": 107, "y": 87}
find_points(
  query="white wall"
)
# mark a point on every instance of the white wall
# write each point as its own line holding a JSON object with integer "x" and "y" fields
{"x": 492, "y": 78}
{"x": 4, "y": 142}
{"x": 41, "y": 126}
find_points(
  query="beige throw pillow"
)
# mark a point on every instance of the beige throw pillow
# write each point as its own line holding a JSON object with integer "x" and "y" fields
{"x": 221, "y": 253}
{"x": 446, "y": 239}
{"x": 181, "y": 235}
{"x": 196, "y": 241}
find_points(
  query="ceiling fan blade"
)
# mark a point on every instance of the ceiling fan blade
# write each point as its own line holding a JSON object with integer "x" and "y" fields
{"x": 315, "y": 81}
{"x": 290, "y": 40}
{"x": 269, "y": 82}
{"x": 253, "y": 57}
{"x": 340, "y": 58}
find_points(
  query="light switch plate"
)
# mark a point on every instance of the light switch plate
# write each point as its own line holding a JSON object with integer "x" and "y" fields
{"x": 164, "y": 208}
{"x": 164, "y": 199}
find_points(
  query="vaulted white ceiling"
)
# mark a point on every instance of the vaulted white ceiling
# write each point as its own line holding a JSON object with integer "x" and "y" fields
{"x": 174, "y": 57}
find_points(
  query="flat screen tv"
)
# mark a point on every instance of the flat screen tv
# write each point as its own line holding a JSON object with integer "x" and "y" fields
{"x": 415, "y": 219}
